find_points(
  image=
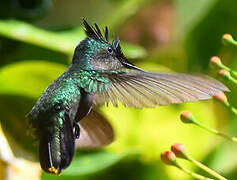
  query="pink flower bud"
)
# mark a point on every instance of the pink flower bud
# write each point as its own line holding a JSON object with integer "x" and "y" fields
{"x": 227, "y": 38}
{"x": 168, "y": 158}
{"x": 224, "y": 73}
{"x": 215, "y": 60}
{"x": 179, "y": 150}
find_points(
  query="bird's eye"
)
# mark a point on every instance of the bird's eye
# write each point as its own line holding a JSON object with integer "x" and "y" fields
{"x": 109, "y": 49}
{"x": 57, "y": 107}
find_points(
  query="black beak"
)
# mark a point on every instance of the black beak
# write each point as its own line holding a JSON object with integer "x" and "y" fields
{"x": 129, "y": 65}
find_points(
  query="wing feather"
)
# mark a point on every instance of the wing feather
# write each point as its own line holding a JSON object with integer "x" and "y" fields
{"x": 95, "y": 131}
{"x": 143, "y": 89}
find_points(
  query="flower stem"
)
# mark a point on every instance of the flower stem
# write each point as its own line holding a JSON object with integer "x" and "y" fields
{"x": 205, "y": 168}
{"x": 214, "y": 131}
{"x": 222, "y": 66}
{"x": 232, "y": 79}
{"x": 231, "y": 108}
{"x": 195, "y": 175}
{"x": 228, "y": 39}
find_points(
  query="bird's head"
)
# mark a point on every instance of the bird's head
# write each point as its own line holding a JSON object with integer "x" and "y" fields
{"x": 96, "y": 52}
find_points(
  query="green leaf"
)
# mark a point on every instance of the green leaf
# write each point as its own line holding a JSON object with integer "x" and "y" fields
{"x": 22, "y": 31}
{"x": 28, "y": 78}
{"x": 85, "y": 163}
{"x": 152, "y": 131}
{"x": 89, "y": 163}
{"x": 63, "y": 42}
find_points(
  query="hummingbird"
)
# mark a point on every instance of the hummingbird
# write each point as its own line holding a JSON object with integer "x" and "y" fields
{"x": 64, "y": 116}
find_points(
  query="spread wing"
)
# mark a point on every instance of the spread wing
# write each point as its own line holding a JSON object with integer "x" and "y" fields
{"x": 143, "y": 89}
{"x": 95, "y": 131}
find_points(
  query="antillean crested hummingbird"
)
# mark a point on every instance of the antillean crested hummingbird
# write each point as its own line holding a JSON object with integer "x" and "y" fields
{"x": 99, "y": 74}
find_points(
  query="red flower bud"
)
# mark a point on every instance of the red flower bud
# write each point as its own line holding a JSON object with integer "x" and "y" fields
{"x": 168, "y": 158}
{"x": 179, "y": 150}
{"x": 221, "y": 97}
{"x": 187, "y": 117}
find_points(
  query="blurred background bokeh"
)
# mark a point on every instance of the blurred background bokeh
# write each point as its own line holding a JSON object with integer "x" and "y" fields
{"x": 37, "y": 39}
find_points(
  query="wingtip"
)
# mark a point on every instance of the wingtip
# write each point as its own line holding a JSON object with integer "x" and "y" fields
{"x": 226, "y": 89}
{"x": 223, "y": 87}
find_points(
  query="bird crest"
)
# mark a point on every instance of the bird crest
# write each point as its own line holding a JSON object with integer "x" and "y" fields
{"x": 95, "y": 33}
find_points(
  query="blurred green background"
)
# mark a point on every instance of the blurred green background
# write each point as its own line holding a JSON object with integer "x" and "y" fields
{"x": 37, "y": 39}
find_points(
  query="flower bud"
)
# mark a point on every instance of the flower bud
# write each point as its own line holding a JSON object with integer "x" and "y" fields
{"x": 215, "y": 60}
{"x": 168, "y": 158}
{"x": 224, "y": 73}
{"x": 221, "y": 97}
{"x": 227, "y": 38}
{"x": 187, "y": 117}
{"x": 179, "y": 150}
